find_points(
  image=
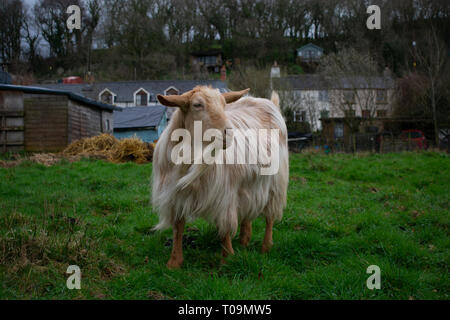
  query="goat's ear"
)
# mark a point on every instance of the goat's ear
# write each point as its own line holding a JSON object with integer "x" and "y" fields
{"x": 233, "y": 96}
{"x": 181, "y": 101}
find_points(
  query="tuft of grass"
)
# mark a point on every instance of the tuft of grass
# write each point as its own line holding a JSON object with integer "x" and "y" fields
{"x": 344, "y": 213}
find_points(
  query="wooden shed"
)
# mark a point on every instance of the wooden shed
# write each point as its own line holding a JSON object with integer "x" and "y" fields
{"x": 43, "y": 120}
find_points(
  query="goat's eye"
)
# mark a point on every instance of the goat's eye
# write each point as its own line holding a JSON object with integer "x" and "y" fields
{"x": 198, "y": 105}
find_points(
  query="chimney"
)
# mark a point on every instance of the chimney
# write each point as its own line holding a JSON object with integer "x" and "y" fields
{"x": 223, "y": 73}
{"x": 387, "y": 72}
{"x": 90, "y": 78}
{"x": 275, "y": 71}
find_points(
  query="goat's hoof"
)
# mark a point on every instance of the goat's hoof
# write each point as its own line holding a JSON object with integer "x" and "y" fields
{"x": 244, "y": 241}
{"x": 266, "y": 247}
{"x": 174, "y": 264}
{"x": 223, "y": 260}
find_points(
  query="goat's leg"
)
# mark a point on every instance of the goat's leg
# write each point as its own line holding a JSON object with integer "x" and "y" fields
{"x": 176, "y": 257}
{"x": 227, "y": 247}
{"x": 267, "y": 243}
{"x": 246, "y": 232}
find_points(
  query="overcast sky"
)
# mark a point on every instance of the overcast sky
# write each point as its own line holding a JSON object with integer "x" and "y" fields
{"x": 29, "y": 3}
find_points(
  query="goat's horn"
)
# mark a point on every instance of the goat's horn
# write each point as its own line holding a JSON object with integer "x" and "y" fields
{"x": 234, "y": 95}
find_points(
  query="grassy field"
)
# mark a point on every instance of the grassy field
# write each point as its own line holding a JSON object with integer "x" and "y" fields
{"x": 344, "y": 213}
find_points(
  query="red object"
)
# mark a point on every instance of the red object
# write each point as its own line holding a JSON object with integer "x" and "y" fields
{"x": 72, "y": 79}
{"x": 416, "y": 136}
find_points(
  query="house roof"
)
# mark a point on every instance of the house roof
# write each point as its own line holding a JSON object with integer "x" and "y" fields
{"x": 70, "y": 95}
{"x": 139, "y": 117}
{"x": 211, "y": 52}
{"x": 302, "y": 82}
{"x": 124, "y": 90}
{"x": 310, "y": 46}
{"x": 318, "y": 82}
{"x": 5, "y": 78}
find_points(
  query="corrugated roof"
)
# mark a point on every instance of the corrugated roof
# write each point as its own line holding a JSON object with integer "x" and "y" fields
{"x": 139, "y": 117}
{"x": 124, "y": 90}
{"x": 70, "y": 95}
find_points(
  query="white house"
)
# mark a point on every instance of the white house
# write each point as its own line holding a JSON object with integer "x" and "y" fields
{"x": 313, "y": 97}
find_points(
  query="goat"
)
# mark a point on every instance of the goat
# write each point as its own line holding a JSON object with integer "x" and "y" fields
{"x": 223, "y": 194}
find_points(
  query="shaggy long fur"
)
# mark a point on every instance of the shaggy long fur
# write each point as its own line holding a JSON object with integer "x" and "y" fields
{"x": 223, "y": 194}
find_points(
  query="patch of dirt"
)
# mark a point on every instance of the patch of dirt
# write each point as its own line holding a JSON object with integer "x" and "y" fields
{"x": 156, "y": 295}
{"x": 10, "y": 163}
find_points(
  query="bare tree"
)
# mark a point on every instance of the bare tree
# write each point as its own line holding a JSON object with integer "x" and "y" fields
{"x": 12, "y": 18}
{"x": 31, "y": 37}
{"x": 352, "y": 82}
{"x": 290, "y": 104}
{"x": 312, "y": 112}
{"x": 431, "y": 57}
{"x": 94, "y": 11}
{"x": 257, "y": 79}
{"x": 51, "y": 16}
{"x": 299, "y": 110}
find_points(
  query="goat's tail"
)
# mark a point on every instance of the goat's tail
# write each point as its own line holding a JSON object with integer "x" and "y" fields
{"x": 275, "y": 98}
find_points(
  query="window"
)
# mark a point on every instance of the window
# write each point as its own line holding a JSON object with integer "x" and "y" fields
{"x": 141, "y": 98}
{"x": 211, "y": 60}
{"x": 323, "y": 95}
{"x": 381, "y": 113}
{"x": 324, "y": 114}
{"x": 349, "y": 113}
{"x": 349, "y": 96}
{"x": 371, "y": 129}
{"x": 299, "y": 116}
{"x": 106, "y": 97}
{"x": 381, "y": 96}
{"x": 171, "y": 91}
{"x": 365, "y": 113}
{"x": 339, "y": 130}
{"x": 108, "y": 125}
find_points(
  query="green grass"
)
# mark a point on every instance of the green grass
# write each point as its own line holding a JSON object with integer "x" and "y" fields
{"x": 344, "y": 213}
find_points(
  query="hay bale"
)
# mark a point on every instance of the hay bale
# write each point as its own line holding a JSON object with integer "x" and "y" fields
{"x": 93, "y": 145}
{"x": 103, "y": 147}
{"x": 131, "y": 149}
{"x": 107, "y": 147}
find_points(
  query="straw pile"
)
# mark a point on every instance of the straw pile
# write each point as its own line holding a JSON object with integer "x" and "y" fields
{"x": 96, "y": 147}
{"x": 131, "y": 149}
{"x": 104, "y": 146}
{"x": 107, "y": 147}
